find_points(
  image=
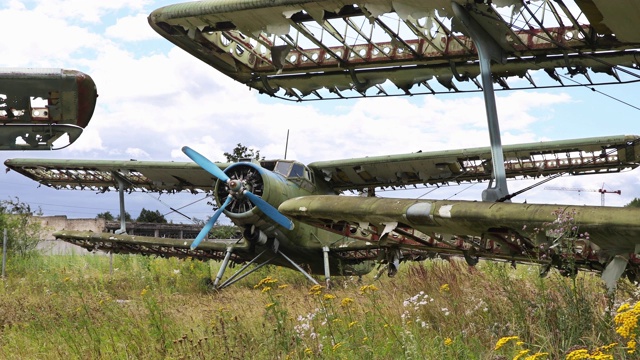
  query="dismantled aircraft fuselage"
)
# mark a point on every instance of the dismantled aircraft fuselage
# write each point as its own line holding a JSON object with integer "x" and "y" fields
{"x": 39, "y": 106}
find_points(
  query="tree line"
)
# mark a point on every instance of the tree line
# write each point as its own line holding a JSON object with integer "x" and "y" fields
{"x": 146, "y": 216}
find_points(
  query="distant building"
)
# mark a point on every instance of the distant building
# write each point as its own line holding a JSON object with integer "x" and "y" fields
{"x": 52, "y": 224}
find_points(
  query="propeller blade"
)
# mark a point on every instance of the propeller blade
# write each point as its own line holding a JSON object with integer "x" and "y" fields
{"x": 205, "y": 230}
{"x": 205, "y": 163}
{"x": 269, "y": 210}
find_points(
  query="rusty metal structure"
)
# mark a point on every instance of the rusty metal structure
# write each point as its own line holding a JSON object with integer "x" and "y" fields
{"x": 38, "y": 107}
{"x": 311, "y": 50}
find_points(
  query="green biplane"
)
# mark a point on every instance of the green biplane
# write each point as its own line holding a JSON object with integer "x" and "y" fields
{"x": 295, "y": 215}
{"x": 292, "y": 214}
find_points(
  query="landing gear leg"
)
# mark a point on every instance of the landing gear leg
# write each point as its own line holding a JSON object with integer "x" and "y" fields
{"x": 327, "y": 274}
{"x": 614, "y": 271}
{"x": 223, "y": 267}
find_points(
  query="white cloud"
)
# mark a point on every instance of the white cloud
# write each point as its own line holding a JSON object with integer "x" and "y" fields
{"x": 137, "y": 153}
{"x": 86, "y": 11}
{"x": 131, "y": 28}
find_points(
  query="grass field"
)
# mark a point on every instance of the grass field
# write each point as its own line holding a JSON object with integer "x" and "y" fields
{"x": 71, "y": 307}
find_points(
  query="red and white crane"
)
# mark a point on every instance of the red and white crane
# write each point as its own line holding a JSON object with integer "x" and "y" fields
{"x": 602, "y": 191}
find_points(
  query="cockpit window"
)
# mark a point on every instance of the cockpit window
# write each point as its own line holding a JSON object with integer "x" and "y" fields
{"x": 283, "y": 167}
{"x": 291, "y": 169}
{"x": 297, "y": 170}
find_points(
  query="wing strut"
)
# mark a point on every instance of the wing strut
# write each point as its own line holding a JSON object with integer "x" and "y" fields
{"x": 488, "y": 49}
{"x": 123, "y": 222}
{"x": 237, "y": 277}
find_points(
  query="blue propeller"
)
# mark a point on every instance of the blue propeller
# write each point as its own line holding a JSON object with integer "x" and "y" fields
{"x": 205, "y": 163}
{"x": 235, "y": 188}
{"x": 269, "y": 210}
{"x": 205, "y": 230}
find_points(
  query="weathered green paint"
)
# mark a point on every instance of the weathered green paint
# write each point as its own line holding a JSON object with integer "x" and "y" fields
{"x": 614, "y": 230}
{"x": 68, "y": 99}
{"x": 354, "y": 227}
{"x": 235, "y": 38}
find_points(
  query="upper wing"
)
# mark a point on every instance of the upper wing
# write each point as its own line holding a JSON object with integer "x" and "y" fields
{"x": 342, "y": 48}
{"x": 103, "y": 175}
{"x": 581, "y": 156}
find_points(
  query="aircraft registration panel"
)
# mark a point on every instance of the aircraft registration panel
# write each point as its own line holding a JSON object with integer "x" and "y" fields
{"x": 334, "y": 49}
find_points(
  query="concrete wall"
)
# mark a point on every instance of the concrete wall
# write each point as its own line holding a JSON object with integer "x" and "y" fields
{"x": 49, "y": 245}
{"x": 51, "y": 224}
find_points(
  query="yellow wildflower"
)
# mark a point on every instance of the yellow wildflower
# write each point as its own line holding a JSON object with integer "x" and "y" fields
{"x": 336, "y": 346}
{"x": 315, "y": 290}
{"x": 265, "y": 281}
{"x": 329, "y": 297}
{"x": 352, "y": 323}
{"x": 624, "y": 307}
{"x": 283, "y": 286}
{"x": 537, "y": 356}
{"x": 266, "y": 289}
{"x": 448, "y": 342}
{"x": 346, "y": 302}
{"x": 631, "y": 346}
{"x": 144, "y": 291}
{"x": 368, "y": 289}
{"x": 580, "y": 354}
{"x": 308, "y": 351}
{"x": 606, "y": 348}
{"x": 269, "y": 305}
{"x": 444, "y": 288}
{"x": 627, "y": 323}
{"x": 502, "y": 341}
{"x": 521, "y": 354}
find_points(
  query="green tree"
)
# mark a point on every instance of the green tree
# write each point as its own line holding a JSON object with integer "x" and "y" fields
{"x": 242, "y": 152}
{"x": 149, "y": 216}
{"x": 634, "y": 203}
{"x": 105, "y": 215}
{"x": 224, "y": 232}
{"x": 23, "y": 232}
{"x": 127, "y": 217}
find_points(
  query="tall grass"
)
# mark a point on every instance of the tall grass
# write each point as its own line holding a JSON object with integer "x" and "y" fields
{"x": 151, "y": 308}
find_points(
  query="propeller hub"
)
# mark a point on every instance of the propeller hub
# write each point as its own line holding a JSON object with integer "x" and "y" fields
{"x": 234, "y": 185}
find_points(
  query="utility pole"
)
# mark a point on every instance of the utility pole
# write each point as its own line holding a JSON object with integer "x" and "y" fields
{"x": 602, "y": 191}
{"x": 4, "y": 252}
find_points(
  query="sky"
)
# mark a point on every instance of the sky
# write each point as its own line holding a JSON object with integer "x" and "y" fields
{"x": 154, "y": 98}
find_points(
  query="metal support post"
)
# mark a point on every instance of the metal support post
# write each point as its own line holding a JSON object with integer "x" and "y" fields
{"x": 488, "y": 49}
{"x": 327, "y": 274}
{"x": 4, "y": 253}
{"x": 299, "y": 268}
{"x": 223, "y": 267}
{"x": 123, "y": 222}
